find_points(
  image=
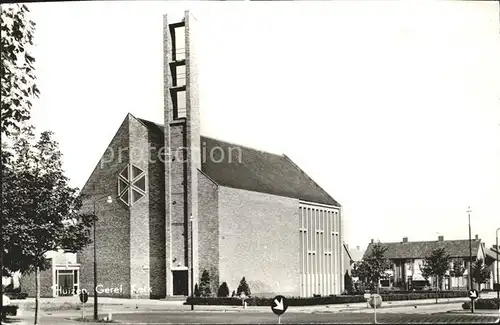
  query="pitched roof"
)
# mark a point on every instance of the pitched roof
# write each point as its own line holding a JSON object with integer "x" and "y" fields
{"x": 491, "y": 253}
{"x": 245, "y": 168}
{"x": 420, "y": 249}
{"x": 356, "y": 253}
{"x": 346, "y": 250}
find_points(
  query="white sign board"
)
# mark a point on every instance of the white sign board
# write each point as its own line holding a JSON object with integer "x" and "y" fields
{"x": 366, "y": 295}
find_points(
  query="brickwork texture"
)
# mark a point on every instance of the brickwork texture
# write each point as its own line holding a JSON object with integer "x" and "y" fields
{"x": 259, "y": 240}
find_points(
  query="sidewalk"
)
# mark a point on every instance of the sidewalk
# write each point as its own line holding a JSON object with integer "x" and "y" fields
{"x": 102, "y": 300}
{"x": 385, "y": 304}
{"x": 486, "y": 312}
{"x": 72, "y": 305}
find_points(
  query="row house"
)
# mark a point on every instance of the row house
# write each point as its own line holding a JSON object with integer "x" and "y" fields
{"x": 407, "y": 259}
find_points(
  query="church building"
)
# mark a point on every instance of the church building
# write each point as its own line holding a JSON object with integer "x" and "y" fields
{"x": 172, "y": 203}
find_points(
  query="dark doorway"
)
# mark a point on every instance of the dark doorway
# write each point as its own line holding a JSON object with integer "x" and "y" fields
{"x": 180, "y": 281}
{"x": 66, "y": 284}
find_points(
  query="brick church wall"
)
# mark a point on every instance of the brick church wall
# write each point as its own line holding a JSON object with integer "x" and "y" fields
{"x": 208, "y": 229}
{"x": 259, "y": 239}
{"x": 113, "y": 225}
{"x": 130, "y": 242}
{"x": 156, "y": 187}
{"x": 139, "y": 214}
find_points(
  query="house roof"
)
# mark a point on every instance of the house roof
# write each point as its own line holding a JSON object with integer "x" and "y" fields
{"x": 241, "y": 167}
{"x": 356, "y": 254}
{"x": 353, "y": 252}
{"x": 346, "y": 249}
{"x": 421, "y": 249}
{"x": 492, "y": 254}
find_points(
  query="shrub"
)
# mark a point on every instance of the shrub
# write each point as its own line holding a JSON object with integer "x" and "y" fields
{"x": 491, "y": 303}
{"x": 223, "y": 290}
{"x": 8, "y": 288}
{"x": 197, "y": 292}
{"x": 243, "y": 287}
{"x": 205, "y": 289}
{"x": 348, "y": 283}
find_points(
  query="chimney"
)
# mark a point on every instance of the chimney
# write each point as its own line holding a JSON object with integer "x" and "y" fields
{"x": 405, "y": 239}
{"x": 371, "y": 241}
{"x": 477, "y": 237}
{"x": 440, "y": 238}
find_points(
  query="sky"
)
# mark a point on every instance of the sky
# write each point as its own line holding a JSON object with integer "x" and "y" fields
{"x": 392, "y": 107}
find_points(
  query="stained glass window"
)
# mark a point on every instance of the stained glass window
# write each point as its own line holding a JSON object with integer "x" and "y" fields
{"x": 131, "y": 184}
{"x": 136, "y": 172}
{"x": 124, "y": 197}
{"x": 136, "y": 196}
{"x": 141, "y": 183}
{"x": 122, "y": 185}
{"x": 124, "y": 173}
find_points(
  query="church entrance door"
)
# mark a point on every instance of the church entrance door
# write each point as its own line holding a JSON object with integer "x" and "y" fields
{"x": 180, "y": 282}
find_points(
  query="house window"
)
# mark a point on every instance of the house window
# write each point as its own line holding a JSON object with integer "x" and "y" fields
{"x": 131, "y": 184}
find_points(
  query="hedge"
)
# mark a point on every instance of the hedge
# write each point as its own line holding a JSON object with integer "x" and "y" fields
{"x": 9, "y": 310}
{"x": 387, "y": 291}
{"x": 491, "y": 303}
{"x": 330, "y": 300}
{"x": 16, "y": 295}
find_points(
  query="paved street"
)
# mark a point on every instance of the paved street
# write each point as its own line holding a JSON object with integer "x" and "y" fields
{"x": 395, "y": 315}
{"x": 261, "y": 318}
{"x": 269, "y": 318}
{"x": 62, "y": 311}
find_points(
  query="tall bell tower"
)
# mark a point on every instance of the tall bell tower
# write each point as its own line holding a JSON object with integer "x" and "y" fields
{"x": 182, "y": 154}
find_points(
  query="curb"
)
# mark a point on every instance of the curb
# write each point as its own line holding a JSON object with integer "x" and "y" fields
{"x": 493, "y": 312}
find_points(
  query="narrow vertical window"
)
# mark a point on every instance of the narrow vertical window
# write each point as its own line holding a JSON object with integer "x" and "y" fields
{"x": 179, "y": 102}
{"x": 180, "y": 72}
{"x": 180, "y": 43}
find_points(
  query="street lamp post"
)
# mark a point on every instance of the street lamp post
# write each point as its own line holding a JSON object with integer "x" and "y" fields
{"x": 192, "y": 264}
{"x": 498, "y": 275}
{"x": 470, "y": 260}
{"x": 109, "y": 200}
